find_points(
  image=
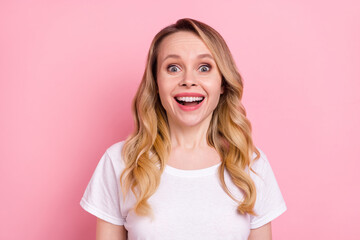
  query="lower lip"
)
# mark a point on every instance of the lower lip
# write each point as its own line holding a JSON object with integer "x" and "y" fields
{"x": 189, "y": 108}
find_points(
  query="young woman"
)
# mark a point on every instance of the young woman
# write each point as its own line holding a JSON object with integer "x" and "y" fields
{"x": 190, "y": 169}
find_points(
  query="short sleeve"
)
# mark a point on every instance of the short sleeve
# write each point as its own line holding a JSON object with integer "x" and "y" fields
{"x": 269, "y": 201}
{"x": 101, "y": 197}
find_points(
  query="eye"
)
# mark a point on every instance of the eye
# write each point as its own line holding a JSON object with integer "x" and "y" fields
{"x": 205, "y": 68}
{"x": 173, "y": 68}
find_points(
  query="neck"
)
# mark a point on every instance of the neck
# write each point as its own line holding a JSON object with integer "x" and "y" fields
{"x": 189, "y": 137}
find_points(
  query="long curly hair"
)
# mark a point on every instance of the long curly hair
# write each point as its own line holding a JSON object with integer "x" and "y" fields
{"x": 146, "y": 150}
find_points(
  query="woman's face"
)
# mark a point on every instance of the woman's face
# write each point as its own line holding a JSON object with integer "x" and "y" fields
{"x": 188, "y": 79}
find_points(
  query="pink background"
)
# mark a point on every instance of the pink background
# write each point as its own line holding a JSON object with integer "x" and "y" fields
{"x": 69, "y": 70}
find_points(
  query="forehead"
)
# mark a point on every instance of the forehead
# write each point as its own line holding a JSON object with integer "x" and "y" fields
{"x": 182, "y": 43}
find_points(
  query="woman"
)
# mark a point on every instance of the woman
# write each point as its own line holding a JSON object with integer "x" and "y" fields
{"x": 190, "y": 169}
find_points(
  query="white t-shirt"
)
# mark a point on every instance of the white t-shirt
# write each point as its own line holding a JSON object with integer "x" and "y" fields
{"x": 189, "y": 204}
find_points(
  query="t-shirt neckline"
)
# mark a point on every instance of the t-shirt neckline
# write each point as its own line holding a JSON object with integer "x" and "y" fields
{"x": 192, "y": 173}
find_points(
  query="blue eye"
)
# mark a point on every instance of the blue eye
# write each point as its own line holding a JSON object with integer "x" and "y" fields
{"x": 204, "y": 68}
{"x": 173, "y": 68}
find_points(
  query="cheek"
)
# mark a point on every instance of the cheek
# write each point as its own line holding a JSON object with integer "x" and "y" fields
{"x": 213, "y": 86}
{"x": 160, "y": 85}
{"x": 165, "y": 85}
{"x": 164, "y": 91}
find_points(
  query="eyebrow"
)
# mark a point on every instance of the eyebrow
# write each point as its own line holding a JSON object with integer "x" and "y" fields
{"x": 204, "y": 55}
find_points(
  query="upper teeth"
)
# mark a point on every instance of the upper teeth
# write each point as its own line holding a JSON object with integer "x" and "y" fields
{"x": 189, "y": 99}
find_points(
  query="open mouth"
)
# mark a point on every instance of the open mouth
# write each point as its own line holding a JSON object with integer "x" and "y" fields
{"x": 189, "y": 101}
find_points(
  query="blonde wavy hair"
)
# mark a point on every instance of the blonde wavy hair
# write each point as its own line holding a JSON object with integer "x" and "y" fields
{"x": 146, "y": 150}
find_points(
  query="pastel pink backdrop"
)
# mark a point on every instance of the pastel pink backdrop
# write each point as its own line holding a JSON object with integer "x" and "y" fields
{"x": 69, "y": 70}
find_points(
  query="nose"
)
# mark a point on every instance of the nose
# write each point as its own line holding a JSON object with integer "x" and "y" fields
{"x": 188, "y": 79}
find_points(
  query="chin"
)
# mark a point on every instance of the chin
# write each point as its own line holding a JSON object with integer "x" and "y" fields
{"x": 192, "y": 122}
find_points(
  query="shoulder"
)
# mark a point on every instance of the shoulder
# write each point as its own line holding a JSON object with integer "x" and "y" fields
{"x": 260, "y": 164}
{"x": 262, "y": 168}
{"x": 269, "y": 200}
{"x": 113, "y": 155}
{"x": 114, "y": 151}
